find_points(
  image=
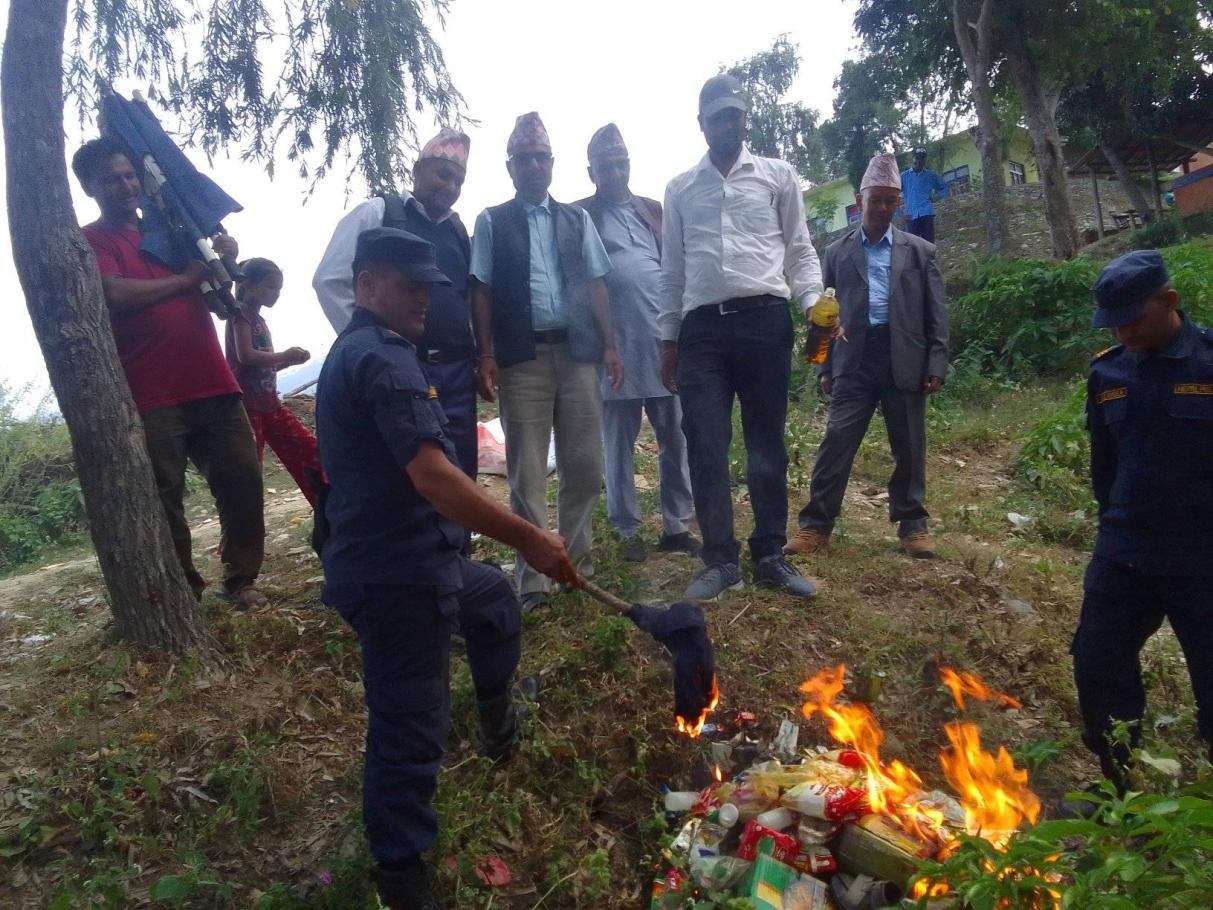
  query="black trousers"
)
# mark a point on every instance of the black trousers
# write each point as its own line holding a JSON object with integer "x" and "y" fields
{"x": 922, "y": 226}
{"x": 1121, "y": 608}
{"x": 405, "y": 635}
{"x": 748, "y": 356}
{"x": 852, "y": 405}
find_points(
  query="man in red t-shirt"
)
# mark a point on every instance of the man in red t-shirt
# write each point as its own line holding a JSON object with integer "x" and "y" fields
{"x": 183, "y": 388}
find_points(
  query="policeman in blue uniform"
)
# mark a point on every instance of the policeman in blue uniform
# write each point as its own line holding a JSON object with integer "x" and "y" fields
{"x": 1150, "y": 416}
{"x": 396, "y": 510}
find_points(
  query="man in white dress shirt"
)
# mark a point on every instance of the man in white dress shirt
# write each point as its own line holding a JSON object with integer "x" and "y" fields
{"x": 735, "y": 248}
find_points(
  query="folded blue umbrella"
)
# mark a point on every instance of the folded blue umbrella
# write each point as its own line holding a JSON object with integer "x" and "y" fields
{"x": 194, "y": 205}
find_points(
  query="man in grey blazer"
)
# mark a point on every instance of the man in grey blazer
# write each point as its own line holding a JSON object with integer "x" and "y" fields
{"x": 893, "y": 352}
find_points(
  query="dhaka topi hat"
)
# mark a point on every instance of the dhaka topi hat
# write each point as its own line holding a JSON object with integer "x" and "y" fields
{"x": 448, "y": 145}
{"x": 529, "y": 132}
{"x": 607, "y": 142}
{"x": 882, "y": 171}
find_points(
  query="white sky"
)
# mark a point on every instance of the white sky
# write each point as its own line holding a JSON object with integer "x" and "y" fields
{"x": 639, "y": 63}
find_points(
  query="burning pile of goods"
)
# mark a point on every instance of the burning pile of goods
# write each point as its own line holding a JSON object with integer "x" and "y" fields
{"x": 811, "y": 829}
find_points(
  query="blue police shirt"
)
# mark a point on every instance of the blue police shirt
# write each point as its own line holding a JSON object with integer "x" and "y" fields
{"x": 374, "y": 409}
{"x": 1151, "y": 422}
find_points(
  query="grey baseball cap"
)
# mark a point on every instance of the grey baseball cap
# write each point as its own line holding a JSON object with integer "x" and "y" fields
{"x": 720, "y": 93}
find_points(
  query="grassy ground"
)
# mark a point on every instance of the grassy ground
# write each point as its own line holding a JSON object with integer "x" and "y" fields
{"x": 128, "y": 780}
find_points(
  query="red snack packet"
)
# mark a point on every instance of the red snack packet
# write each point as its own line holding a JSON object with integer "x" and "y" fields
{"x": 815, "y": 861}
{"x": 785, "y": 847}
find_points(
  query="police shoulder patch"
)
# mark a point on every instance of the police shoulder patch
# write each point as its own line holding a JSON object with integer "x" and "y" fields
{"x": 1114, "y": 349}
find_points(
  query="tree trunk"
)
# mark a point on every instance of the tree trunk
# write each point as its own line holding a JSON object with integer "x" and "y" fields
{"x": 1136, "y": 197}
{"x": 976, "y": 55}
{"x": 148, "y": 594}
{"x": 1039, "y": 110}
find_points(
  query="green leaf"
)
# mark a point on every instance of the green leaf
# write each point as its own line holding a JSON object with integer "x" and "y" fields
{"x": 171, "y": 888}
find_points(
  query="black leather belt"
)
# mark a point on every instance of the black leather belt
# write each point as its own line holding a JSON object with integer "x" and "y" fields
{"x": 443, "y": 355}
{"x": 552, "y": 336}
{"x": 738, "y": 304}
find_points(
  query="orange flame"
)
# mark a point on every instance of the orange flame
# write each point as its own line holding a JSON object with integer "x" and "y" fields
{"x": 993, "y": 792}
{"x": 693, "y": 729}
{"x": 962, "y": 684}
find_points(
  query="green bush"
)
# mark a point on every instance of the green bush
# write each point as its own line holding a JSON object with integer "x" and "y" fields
{"x": 1141, "y": 850}
{"x": 1164, "y": 232}
{"x": 1058, "y": 442}
{"x": 1191, "y": 268}
{"x": 1032, "y": 316}
{"x": 41, "y": 498}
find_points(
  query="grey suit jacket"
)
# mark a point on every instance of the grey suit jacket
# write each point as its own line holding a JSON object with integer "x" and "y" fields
{"x": 918, "y": 310}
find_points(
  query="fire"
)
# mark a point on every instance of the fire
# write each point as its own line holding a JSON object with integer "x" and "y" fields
{"x": 962, "y": 684}
{"x": 693, "y": 729}
{"x": 992, "y": 791}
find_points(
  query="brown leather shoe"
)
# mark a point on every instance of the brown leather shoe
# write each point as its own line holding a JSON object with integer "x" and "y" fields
{"x": 806, "y": 542}
{"x": 919, "y": 545}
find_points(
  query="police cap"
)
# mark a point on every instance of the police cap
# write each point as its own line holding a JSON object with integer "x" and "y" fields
{"x": 1125, "y": 286}
{"x": 414, "y": 256}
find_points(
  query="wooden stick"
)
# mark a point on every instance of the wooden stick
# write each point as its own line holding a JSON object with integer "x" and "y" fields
{"x": 606, "y": 597}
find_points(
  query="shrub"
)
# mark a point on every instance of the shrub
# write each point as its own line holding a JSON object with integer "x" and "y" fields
{"x": 1032, "y": 316}
{"x": 1160, "y": 233}
{"x": 1142, "y": 850}
{"x": 1191, "y": 268}
{"x": 1059, "y": 441}
{"x": 40, "y": 495}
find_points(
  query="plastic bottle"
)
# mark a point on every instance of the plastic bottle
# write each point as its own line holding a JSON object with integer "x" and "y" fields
{"x": 823, "y": 322}
{"x": 776, "y": 819}
{"x": 680, "y": 800}
{"x": 726, "y": 816}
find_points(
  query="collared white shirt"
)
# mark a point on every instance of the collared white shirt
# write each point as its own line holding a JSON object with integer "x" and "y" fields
{"x": 334, "y": 278}
{"x": 733, "y": 236}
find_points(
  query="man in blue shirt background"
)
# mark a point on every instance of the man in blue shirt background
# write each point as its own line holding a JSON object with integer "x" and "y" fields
{"x": 917, "y": 185}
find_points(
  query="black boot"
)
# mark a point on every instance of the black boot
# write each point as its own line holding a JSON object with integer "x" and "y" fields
{"x": 498, "y": 728}
{"x": 405, "y": 886}
{"x": 499, "y": 719}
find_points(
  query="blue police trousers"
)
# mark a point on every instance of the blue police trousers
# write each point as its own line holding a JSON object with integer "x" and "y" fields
{"x": 1121, "y": 608}
{"x": 405, "y": 634}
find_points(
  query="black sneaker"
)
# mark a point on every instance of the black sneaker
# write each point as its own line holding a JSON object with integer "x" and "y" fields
{"x": 680, "y": 543}
{"x": 405, "y": 886}
{"x": 776, "y": 572}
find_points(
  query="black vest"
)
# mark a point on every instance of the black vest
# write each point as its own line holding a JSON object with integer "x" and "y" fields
{"x": 513, "y": 329}
{"x": 448, "y": 324}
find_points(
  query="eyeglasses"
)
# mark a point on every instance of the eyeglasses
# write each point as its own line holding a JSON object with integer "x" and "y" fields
{"x": 531, "y": 158}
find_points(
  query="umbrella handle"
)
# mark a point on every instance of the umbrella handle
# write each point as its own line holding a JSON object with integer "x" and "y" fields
{"x": 605, "y": 597}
